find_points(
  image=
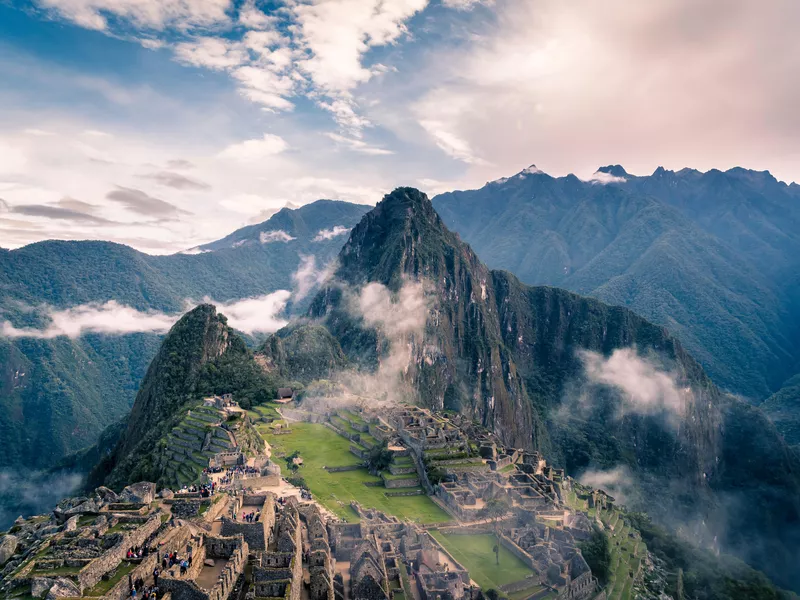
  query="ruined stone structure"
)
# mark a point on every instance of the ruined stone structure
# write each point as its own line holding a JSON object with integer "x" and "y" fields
{"x": 278, "y": 570}
{"x": 256, "y": 533}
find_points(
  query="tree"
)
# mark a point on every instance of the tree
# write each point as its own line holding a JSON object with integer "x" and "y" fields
{"x": 597, "y": 552}
{"x": 379, "y": 457}
{"x": 492, "y": 594}
{"x": 495, "y": 509}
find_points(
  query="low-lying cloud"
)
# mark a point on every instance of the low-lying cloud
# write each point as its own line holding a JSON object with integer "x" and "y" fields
{"x": 29, "y": 493}
{"x": 603, "y": 178}
{"x": 110, "y": 317}
{"x": 644, "y": 388}
{"x": 249, "y": 315}
{"x": 617, "y": 482}
{"x": 308, "y": 277}
{"x": 329, "y": 234}
{"x": 278, "y": 235}
{"x": 257, "y": 315}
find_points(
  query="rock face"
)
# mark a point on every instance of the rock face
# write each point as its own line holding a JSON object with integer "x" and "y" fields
{"x": 63, "y": 588}
{"x": 8, "y": 545}
{"x": 41, "y": 586}
{"x": 142, "y": 492}
{"x": 506, "y": 354}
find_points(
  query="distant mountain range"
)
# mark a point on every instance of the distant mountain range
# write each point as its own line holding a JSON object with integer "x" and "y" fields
{"x": 57, "y": 395}
{"x": 714, "y": 256}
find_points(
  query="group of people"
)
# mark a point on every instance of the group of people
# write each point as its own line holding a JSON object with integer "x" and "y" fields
{"x": 205, "y": 489}
{"x": 140, "y": 591}
{"x": 137, "y": 552}
{"x": 251, "y": 517}
{"x": 171, "y": 559}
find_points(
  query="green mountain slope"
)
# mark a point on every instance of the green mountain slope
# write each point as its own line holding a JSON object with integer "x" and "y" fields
{"x": 509, "y": 356}
{"x": 703, "y": 254}
{"x": 57, "y": 395}
{"x": 200, "y": 356}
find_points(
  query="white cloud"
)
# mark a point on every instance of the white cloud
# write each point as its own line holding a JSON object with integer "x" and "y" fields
{"x": 645, "y": 389}
{"x": 38, "y": 132}
{"x": 255, "y": 149}
{"x": 257, "y": 315}
{"x": 211, "y": 53}
{"x": 329, "y": 234}
{"x": 278, "y": 235}
{"x": 251, "y": 16}
{"x": 337, "y": 33}
{"x": 398, "y": 315}
{"x": 603, "y": 178}
{"x": 450, "y": 143}
{"x": 109, "y": 318}
{"x": 357, "y": 145}
{"x": 153, "y": 14}
{"x": 308, "y": 276}
{"x": 617, "y": 482}
{"x": 466, "y": 4}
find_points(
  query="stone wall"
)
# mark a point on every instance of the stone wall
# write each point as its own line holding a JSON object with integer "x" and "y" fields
{"x": 94, "y": 571}
{"x": 219, "y": 505}
{"x": 518, "y": 552}
{"x": 221, "y": 546}
{"x": 401, "y": 483}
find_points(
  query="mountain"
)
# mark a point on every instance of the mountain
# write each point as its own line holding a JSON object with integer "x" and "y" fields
{"x": 711, "y": 256}
{"x": 200, "y": 356}
{"x": 57, "y": 395}
{"x": 513, "y": 357}
{"x": 783, "y": 408}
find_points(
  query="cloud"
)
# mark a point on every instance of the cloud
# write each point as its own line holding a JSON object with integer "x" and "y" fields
{"x": 3, "y": 206}
{"x": 142, "y": 203}
{"x": 257, "y": 315}
{"x": 357, "y": 145}
{"x": 278, "y": 235}
{"x": 177, "y": 181}
{"x": 603, "y": 178}
{"x": 617, "y": 482}
{"x": 112, "y": 318}
{"x": 211, "y": 52}
{"x": 151, "y": 14}
{"x": 308, "y": 276}
{"x": 255, "y": 149}
{"x": 397, "y": 315}
{"x": 329, "y": 234}
{"x": 27, "y": 493}
{"x": 179, "y": 163}
{"x": 450, "y": 143}
{"x": 38, "y": 132}
{"x": 57, "y": 212}
{"x": 108, "y": 318}
{"x": 645, "y": 389}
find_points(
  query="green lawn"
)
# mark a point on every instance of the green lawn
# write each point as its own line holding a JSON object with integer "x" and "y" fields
{"x": 474, "y": 552}
{"x": 320, "y": 446}
{"x": 103, "y": 587}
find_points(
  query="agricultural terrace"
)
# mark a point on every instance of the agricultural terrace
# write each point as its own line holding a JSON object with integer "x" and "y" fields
{"x": 475, "y": 553}
{"x": 628, "y": 551}
{"x": 321, "y": 447}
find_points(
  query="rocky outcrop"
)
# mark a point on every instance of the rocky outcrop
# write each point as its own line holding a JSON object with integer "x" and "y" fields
{"x": 8, "y": 546}
{"x": 63, "y": 588}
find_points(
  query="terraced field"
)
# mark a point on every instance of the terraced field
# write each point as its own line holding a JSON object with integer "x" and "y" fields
{"x": 321, "y": 447}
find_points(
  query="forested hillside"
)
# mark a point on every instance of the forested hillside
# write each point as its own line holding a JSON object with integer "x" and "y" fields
{"x": 711, "y": 256}
{"x": 57, "y": 395}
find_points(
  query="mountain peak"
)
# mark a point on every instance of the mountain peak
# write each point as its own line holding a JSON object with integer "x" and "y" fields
{"x": 394, "y": 239}
{"x": 615, "y": 170}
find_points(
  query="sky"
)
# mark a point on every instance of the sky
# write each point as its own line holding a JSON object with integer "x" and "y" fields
{"x": 164, "y": 124}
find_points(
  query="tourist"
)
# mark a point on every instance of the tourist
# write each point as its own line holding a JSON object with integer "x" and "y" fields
{"x": 155, "y": 576}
